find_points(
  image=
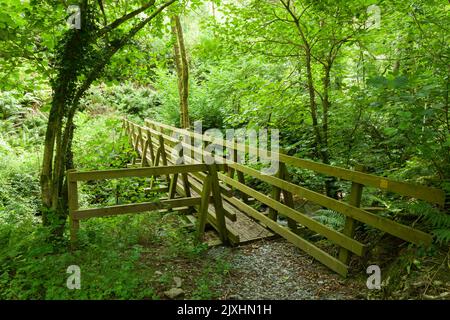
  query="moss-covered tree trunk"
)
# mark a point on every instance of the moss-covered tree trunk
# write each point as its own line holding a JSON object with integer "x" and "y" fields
{"x": 81, "y": 56}
{"x": 58, "y": 138}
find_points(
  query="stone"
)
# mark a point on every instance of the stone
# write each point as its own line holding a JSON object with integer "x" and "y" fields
{"x": 178, "y": 281}
{"x": 174, "y": 293}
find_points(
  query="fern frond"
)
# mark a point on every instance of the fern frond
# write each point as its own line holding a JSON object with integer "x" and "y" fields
{"x": 438, "y": 220}
{"x": 330, "y": 218}
{"x": 442, "y": 235}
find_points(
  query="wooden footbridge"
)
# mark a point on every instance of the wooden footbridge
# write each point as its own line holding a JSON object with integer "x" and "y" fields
{"x": 217, "y": 194}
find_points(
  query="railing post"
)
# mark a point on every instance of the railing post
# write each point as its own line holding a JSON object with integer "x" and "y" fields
{"x": 138, "y": 143}
{"x": 287, "y": 197}
{"x": 173, "y": 186}
{"x": 157, "y": 157}
{"x": 240, "y": 175}
{"x": 163, "y": 154}
{"x": 163, "y": 150}
{"x": 350, "y": 223}
{"x": 140, "y": 140}
{"x": 150, "y": 145}
{"x": 174, "y": 180}
{"x": 187, "y": 140}
{"x": 144, "y": 162}
{"x": 204, "y": 205}
{"x": 184, "y": 176}
{"x": 218, "y": 206}
{"x": 276, "y": 192}
{"x": 234, "y": 155}
{"x": 276, "y": 195}
{"x": 72, "y": 193}
{"x": 156, "y": 161}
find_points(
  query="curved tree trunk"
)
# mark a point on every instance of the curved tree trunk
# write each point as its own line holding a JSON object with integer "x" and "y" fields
{"x": 72, "y": 63}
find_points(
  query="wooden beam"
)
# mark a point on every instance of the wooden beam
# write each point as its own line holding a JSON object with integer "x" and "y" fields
{"x": 135, "y": 208}
{"x": 72, "y": 191}
{"x": 201, "y": 175}
{"x": 136, "y": 172}
{"x": 217, "y": 200}
{"x": 396, "y": 229}
{"x": 203, "y": 212}
{"x": 197, "y": 180}
{"x": 350, "y": 223}
{"x": 173, "y": 186}
{"x": 287, "y": 196}
{"x": 144, "y": 159}
{"x": 331, "y": 234}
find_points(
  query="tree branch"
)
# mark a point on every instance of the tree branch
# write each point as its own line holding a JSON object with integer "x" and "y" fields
{"x": 102, "y": 9}
{"x": 110, "y": 51}
{"x": 124, "y": 18}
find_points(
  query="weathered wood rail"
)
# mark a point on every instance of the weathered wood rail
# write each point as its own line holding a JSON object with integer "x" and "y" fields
{"x": 158, "y": 143}
{"x": 210, "y": 193}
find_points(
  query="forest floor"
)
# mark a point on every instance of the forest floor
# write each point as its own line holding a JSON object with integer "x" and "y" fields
{"x": 276, "y": 269}
{"x": 266, "y": 269}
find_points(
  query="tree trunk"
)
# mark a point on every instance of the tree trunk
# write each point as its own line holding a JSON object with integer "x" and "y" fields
{"x": 71, "y": 63}
{"x": 330, "y": 185}
{"x": 57, "y": 159}
{"x": 312, "y": 100}
{"x": 182, "y": 67}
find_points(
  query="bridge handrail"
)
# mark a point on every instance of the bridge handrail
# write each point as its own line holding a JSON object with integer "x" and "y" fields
{"x": 429, "y": 194}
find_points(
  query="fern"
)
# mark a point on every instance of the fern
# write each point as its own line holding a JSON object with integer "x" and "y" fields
{"x": 442, "y": 235}
{"x": 438, "y": 221}
{"x": 330, "y": 218}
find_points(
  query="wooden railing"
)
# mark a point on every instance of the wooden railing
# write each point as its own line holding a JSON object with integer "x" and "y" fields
{"x": 155, "y": 142}
{"x": 209, "y": 188}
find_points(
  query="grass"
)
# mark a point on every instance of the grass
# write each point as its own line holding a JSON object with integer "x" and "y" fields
{"x": 128, "y": 257}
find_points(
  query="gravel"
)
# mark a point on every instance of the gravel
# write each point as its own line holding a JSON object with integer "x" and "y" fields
{"x": 277, "y": 270}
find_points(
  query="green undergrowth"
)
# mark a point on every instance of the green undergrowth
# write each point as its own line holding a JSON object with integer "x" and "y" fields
{"x": 415, "y": 273}
{"x": 127, "y": 257}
